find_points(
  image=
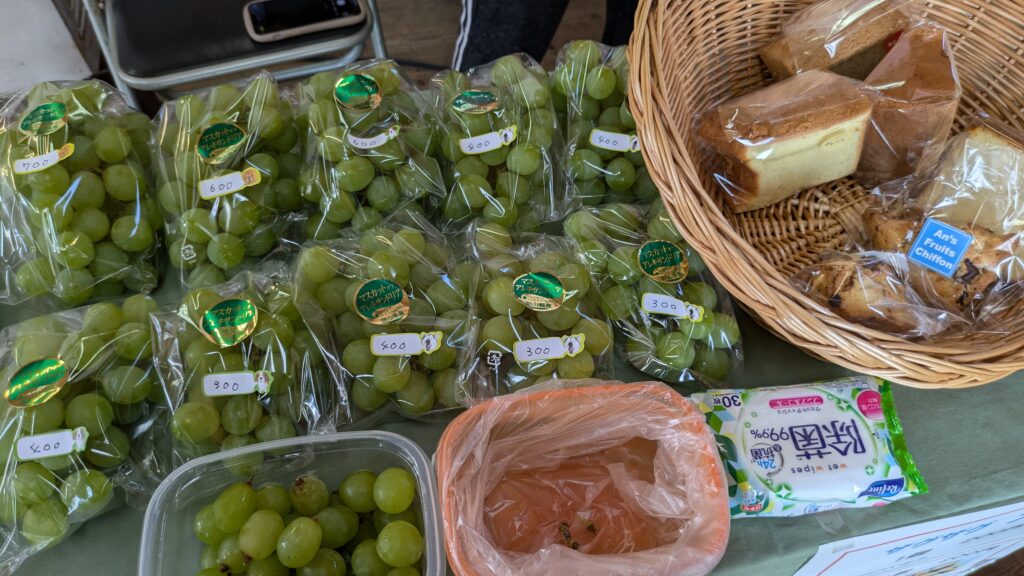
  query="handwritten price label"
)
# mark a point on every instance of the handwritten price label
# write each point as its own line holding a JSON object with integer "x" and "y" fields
{"x": 487, "y": 142}
{"x": 373, "y": 141}
{"x": 236, "y": 383}
{"x": 553, "y": 348}
{"x": 666, "y": 305}
{"x": 405, "y": 344}
{"x": 228, "y": 184}
{"x": 614, "y": 141}
{"x": 40, "y": 163}
{"x": 57, "y": 443}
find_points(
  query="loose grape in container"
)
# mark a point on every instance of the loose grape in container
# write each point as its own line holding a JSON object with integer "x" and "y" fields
{"x": 78, "y": 219}
{"x": 239, "y": 367}
{"x": 367, "y": 133}
{"x": 226, "y": 162}
{"x": 673, "y": 320}
{"x": 80, "y": 395}
{"x": 500, "y": 138}
{"x": 402, "y": 319}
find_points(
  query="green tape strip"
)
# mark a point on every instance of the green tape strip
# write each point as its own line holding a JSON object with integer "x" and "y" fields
{"x": 899, "y": 443}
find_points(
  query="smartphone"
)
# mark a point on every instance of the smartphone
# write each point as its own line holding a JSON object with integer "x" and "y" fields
{"x": 273, "y": 20}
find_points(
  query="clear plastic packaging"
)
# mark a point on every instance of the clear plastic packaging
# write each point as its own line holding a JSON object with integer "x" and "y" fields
{"x": 501, "y": 140}
{"x": 80, "y": 396}
{"x": 389, "y": 301}
{"x": 602, "y": 160}
{"x": 239, "y": 366}
{"x": 169, "y": 544}
{"x": 916, "y": 92}
{"x": 772, "y": 143}
{"x": 848, "y": 37}
{"x": 673, "y": 321}
{"x": 583, "y": 477}
{"x": 78, "y": 221}
{"x": 540, "y": 312}
{"x": 226, "y": 164}
{"x": 796, "y": 450}
{"x": 367, "y": 137}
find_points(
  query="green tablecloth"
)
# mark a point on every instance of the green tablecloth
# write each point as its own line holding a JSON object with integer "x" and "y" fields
{"x": 966, "y": 444}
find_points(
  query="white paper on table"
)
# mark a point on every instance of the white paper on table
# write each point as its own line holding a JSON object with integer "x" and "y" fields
{"x": 955, "y": 546}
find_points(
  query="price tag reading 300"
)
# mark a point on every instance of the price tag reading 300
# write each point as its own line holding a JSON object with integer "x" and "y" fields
{"x": 553, "y": 348}
{"x": 236, "y": 383}
{"x": 653, "y": 303}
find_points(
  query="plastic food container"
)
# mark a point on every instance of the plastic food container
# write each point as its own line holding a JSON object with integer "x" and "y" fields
{"x": 169, "y": 546}
{"x": 583, "y": 477}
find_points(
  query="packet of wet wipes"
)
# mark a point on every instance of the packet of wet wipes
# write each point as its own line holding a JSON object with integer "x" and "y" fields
{"x": 798, "y": 450}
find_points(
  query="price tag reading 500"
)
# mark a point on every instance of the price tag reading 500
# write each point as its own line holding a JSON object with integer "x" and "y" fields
{"x": 553, "y": 348}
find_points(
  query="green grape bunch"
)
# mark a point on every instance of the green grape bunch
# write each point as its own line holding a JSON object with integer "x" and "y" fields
{"x": 81, "y": 395}
{"x": 541, "y": 318}
{"x": 499, "y": 137}
{"x": 368, "y": 524}
{"x": 603, "y": 160}
{"x": 674, "y": 321}
{"x": 369, "y": 142}
{"x": 227, "y": 166}
{"x": 76, "y": 195}
{"x": 400, "y": 317}
{"x": 240, "y": 367}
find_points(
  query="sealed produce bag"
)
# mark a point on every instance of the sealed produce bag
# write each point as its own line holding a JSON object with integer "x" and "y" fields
{"x": 388, "y": 300}
{"x": 239, "y": 366}
{"x": 848, "y": 37}
{"x": 78, "y": 220}
{"x": 540, "y": 311}
{"x": 80, "y": 396}
{"x": 672, "y": 321}
{"x": 798, "y": 450}
{"x": 226, "y": 167}
{"x": 368, "y": 132}
{"x": 583, "y": 477}
{"x": 603, "y": 159}
{"x": 501, "y": 140}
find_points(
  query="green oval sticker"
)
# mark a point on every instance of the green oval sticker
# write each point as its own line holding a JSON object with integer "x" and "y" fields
{"x": 37, "y": 382}
{"x": 230, "y": 322}
{"x": 662, "y": 261}
{"x": 539, "y": 291}
{"x": 358, "y": 92}
{"x": 381, "y": 302}
{"x": 475, "y": 102}
{"x": 45, "y": 119}
{"x": 218, "y": 142}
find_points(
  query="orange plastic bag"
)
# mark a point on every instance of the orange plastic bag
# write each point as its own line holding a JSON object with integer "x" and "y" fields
{"x": 583, "y": 477}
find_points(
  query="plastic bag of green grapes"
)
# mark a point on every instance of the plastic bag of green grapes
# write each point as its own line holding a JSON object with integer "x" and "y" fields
{"x": 500, "y": 139}
{"x": 541, "y": 318}
{"x": 672, "y": 319}
{"x": 367, "y": 140}
{"x": 239, "y": 367}
{"x": 227, "y": 164}
{"x": 602, "y": 160}
{"x": 79, "y": 397}
{"x": 402, "y": 321}
{"x": 78, "y": 219}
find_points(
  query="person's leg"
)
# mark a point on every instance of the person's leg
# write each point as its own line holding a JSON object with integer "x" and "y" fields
{"x": 618, "y": 21}
{"x": 491, "y": 29}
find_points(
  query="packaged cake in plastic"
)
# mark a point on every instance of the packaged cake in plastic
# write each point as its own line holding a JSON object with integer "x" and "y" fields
{"x": 226, "y": 166}
{"x": 672, "y": 321}
{"x": 80, "y": 396}
{"x": 501, "y": 140}
{"x": 367, "y": 137}
{"x": 78, "y": 221}
{"x": 796, "y": 450}
{"x": 388, "y": 300}
{"x": 541, "y": 314}
{"x": 848, "y": 37}
{"x": 239, "y": 366}
{"x": 603, "y": 160}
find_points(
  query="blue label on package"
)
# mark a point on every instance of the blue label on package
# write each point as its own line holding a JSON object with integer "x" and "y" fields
{"x": 885, "y": 488}
{"x": 940, "y": 247}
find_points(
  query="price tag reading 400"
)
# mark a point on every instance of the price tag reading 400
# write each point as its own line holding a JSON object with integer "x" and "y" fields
{"x": 228, "y": 183}
{"x": 488, "y": 142}
{"x": 56, "y": 443}
{"x": 553, "y": 348}
{"x": 237, "y": 383}
{"x": 405, "y": 344}
{"x": 614, "y": 141}
{"x": 654, "y": 303}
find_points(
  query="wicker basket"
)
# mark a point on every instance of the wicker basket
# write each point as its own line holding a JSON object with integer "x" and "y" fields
{"x": 688, "y": 55}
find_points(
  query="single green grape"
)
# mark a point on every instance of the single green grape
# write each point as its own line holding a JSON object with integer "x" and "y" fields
{"x": 339, "y": 525}
{"x": 499, "y": 297}
{"x": 85, "y": 493}
{"x": 444, "y": 296}
{"x": 45, "y": 524}
{"x": 108, "y": 450}
{"x": 34, "y": 277}
{"x": 112, "y": 144}
{"x": 126, "y": 384}
{"x": 367, "y": 562}
{"x": 586, "y": 164}
{"x": 33, "y": 483}
{"x": 91, "y": 222}
{"x": 110, "y": 262}
{"x": 198, "y": 225}
{"x": 712, "y": 363}
{"x": 225, "y": 251}
{"x": 366, "y": 396}
{"x": 269, "y": 566}
{"x": 417, "y": 396}
{"x": 90, "y": 410}
{"x": 500, "y": 333}
{"x": 275, "y": 427}
{"x": 274, "y": 497}
{"x": 726, "y": 332}
{"x": 234, "y": 506}
{"x": 524, "y": 159}
{"x": 357, "y": 359}
{"x": 597, "y": 335}
{"x": 676, "y": 350}
{"x": 299, "y": 542}
{"x": 394, "y": 490}
{"x": 357, "y": 492}
{"x": 620, "y": 175}
{"x": 354, "y": 173}
{"x": 74, "y": 249}
{"x": 701, "y": 294}
{"x": 124, "y": 182}
{"x": 42, "y": 417}
{"x": 399, "y": 544}
{"x": 327, "y": 562}
{"x": 618, "y": 302}
{"x": 241, "y": 414}
{"x": 259, "y": 534}
{"x": 133, "y": 342}
{"x": 309, "y": 495}
{"x": 194, "y": 422}
{"x": 623, "y": 266}
{"x": 238, "y": 217}
{"x": 317, "y": 264}
{"x": 205, "y": 527}
{"x": 230, "y": 557}
{"x": 132, "y": 234}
